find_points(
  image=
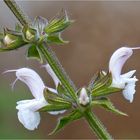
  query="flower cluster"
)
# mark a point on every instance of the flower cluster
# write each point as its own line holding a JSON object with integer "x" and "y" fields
{"x": 57, "y": 100}
{"x": 37, "y": 37}
{"x": 32, "y": 36}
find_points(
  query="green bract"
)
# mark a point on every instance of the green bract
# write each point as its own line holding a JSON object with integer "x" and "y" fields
{"x": 58, "y": 24}
{"x": 107, "y": 104}
{"x": 55, "y": 39}
{"x": 96, "y": 92}
{"x": 11, "y": 40}
{"x": 30, "y": 34}
{"x": 34, "y": 53}
{"x": 101, "y": 84}
{"x": 33, "y": 35}
{"x": 53, "y": 98}
{"x": 63, "y": 121}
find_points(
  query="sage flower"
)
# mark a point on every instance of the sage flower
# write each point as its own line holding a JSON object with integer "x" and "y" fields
{"x": 123, "y": 81}
{"x": 28, "y": 113}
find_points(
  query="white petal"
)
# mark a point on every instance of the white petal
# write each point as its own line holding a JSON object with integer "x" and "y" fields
{"x": 33, "y": 104}
{"x": 32, "y": 80}
{"x": 56, "y": 112}
{"x": 129, "y": 90}
{"x": 83, "y": 98}
{"x": 24, "y": 102}
{"x": 29, "y": 118}
{"x": 128, "y": 74}
{"x": 118, "y": 84}
{"x": 117, "y": 61}
{"x": 28, "y": 114}
{"x": 52, "y": 74}
{"x": 52, "y": 90}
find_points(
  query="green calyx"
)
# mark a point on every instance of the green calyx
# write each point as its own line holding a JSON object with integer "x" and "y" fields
{"x": 11, "y": 40}
{"x": 101, "y": 85}
{"x": 58, "y": 23}
{"x": 85, "y": 101}
{"x": 33, "y": 35}
{"x": 30, "y": 35}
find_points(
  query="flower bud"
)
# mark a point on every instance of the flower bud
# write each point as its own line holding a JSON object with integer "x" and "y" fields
{"x": 83, "y": 97}
{"x": 12, "y": 39}
{"x": 30, "y": 34}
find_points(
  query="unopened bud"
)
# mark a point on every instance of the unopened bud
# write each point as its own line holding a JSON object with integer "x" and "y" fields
{"x": 30, "y": 34}
{"x": 83, "y": 97}
{"x": 12, "y": 39}
{"x": 9, "y": 39}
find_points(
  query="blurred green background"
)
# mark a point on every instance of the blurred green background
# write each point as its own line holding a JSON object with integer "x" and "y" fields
{"x": 100, "y": 28}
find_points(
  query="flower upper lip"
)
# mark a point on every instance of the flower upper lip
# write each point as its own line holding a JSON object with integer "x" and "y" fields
{"x": 124, "y": 81}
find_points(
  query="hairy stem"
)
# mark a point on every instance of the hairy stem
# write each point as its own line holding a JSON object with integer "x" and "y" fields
{"x": 49, "y": 56}
{"x": 23, "y": 19}
{"x": 58, "y": 70}
{"x": 97, "y": 127}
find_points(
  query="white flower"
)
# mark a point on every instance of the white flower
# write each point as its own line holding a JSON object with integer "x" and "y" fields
{"x": 27, "y": 109}
{"x": 124, "y": 81}
{"x": 83, "y": 97}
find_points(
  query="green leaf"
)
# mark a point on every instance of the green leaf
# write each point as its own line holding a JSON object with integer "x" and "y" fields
{"x": 107, "y": 104}
{"x": 58, "y": 24}
{"x": 55, "y": 39}
{"x": 53, "y": 98}
{"x": 33, "y": 52}
{"x": 63, "y": 121}
{"x": 52, "y": 107}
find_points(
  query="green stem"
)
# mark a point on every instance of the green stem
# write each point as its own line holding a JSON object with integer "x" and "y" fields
{"x": 97, "y": 127}
{"x": 23, "y": 19}
{"x": 93, "y": 121}
{"x": 46, "y": 51}
{"x": 58, "y": 70}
